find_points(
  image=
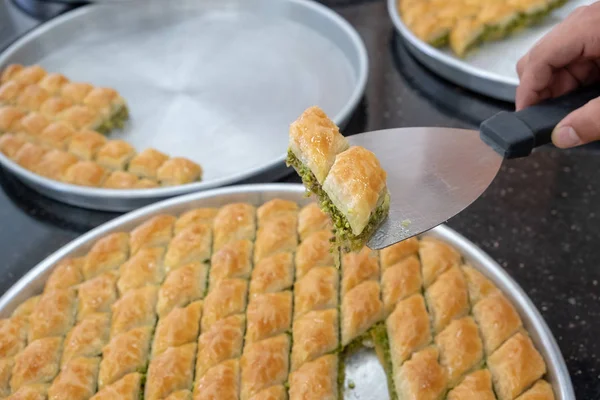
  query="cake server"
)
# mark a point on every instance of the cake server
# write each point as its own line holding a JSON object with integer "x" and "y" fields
{"x": 435, "y": 173}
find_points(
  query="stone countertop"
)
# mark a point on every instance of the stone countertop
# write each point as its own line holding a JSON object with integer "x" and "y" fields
{"x": 540, "y": 219}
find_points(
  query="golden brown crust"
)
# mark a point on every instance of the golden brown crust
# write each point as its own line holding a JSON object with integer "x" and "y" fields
{"x": 273, "y": 393}
{"x": 147, "y": 163}
{"x": 155, "y": 232}
{"x": 11, "y": 144}
{"x": 31, "y": 392}
{"x": 422, "y": 377}
{"x": 542, "y": 390}
{"x": 311, "y": 219}
{"x": 358, "y": 267}
{"x": 134, "y": 309}
{"x": 436, "y": 258}
{"x": 6, "y": 366}
{"x": 170, "y": 371}
{"x": 515, "y": 366}
{"x": 146, "y": 184}
{"x": 120, "y": 180}
{"x": 124, "y": 354}
{"x": 461, "y": 349}
{"x": 219, "y": 382}
{"x": 13, "y": 336}
{"x": 274, "y": 209}
{"x": 28, "y": 75}
{"x": 315, "y": 140}
{"x": 97, "y": 295}
{"x": 87, "y": 338}
{"x": 115, "y": 154}
{"x": 9, "y": 118}
{"x": 54, "y": 314}
{"x": 233, "y": 260}
{"x": 190, "y": 245}
{"x": 447, "y": 298}
{"x": 29, "y": 156}
{"x": 315, "y": 334}
{"x": 268, "y": 315}
{"x": 127, "y": 388}
{"x": 107, "y": 254}
{"x": 32, "y": 97}
{"x": 195, "y": 216}
{"x": 398, "y": 252}
{"x": 75, "y": 91}
{"x": 317, "y": 290}
{"x": 52, "y": 107}
{"x": 76, "y": 380}
{"x": 361, "y": 308}
{"x": 56, "y": 135}
{"x": 408, "y": 329}
{"x": 227, "y": 298}
{"x": 144, "y": 268}
{"x": 10, "y": 72}
{"x": 85, "y": 144}
{"x": 105, "y": 100}
{"x": 53, "y": 83}
{"x": 475, "y": 386}
{"x": 31, "y": 125}
{"x": 55, "y": 163}
{"x": 38, "y": 363}
{"x": 80, "y": 117}
{"x": 234, "y": 221}
{"x": 181, "y": 287}
{"x": 356, "y": 185}
{"x": 264, "y": 363}
{"x": 498, "y": 320}
{"x": 272, "y": 274}
{"x": 314, "y": 252}
{"x": 180, "y": 395}
{"x": 85, "y": 173}
{"x": 178, "y": 171}
{"x": 315, "y": 380}
{"x": 222, "y": 341}
{"x": 180, "y": 326}
{"x": 399, "y": 281}
{"x": 9, "y": 92}
{"x": 25, "y": 308}
{"x": 276, "y": 235}
{"x": 479, "y": 285}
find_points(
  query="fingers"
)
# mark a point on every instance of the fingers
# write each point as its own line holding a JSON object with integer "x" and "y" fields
{"x": 580, "y": 127}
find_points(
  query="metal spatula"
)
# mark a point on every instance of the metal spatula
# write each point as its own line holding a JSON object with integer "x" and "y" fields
{"x": 435, "y": 173}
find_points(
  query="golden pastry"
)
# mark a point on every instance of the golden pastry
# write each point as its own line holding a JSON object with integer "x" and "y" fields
{"x": 178, "y": 171}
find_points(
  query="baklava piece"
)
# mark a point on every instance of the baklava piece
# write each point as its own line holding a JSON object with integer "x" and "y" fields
{"x": 447, "y": 298}
{"x": 436, "y": 258}
{"x": 315, "y": 334}
{"x": 29, "y": 156}
{"x": 398, "y": 252}
{"x": 9, "y": 92}
{"x": 178, "y": 171}
{"x": 32, "y": 126}
{"x": 31, "y": 392}
{"x": 195, "y": 216}
{"x": 156, "y": 232}
{"x": 115, "y": 154}
{"x": 25, "y": 308}
{"x": 96, "y": 295}
{"x": 268, "y": 315}
{"x": 37, "y": 363}
{"x": 125, "y": 354}
{"x": 234, "y": 221}
{"x": 146, "y": 267}
{"x": 56, "y": 135}
{"x": 422, "y": 377}
{"x": 181, "y": 326}
{"x": 32, "y": 97}
{"x": 9, "y": 118}
{"x": 273, "y": 393}
{"x": 170, "y": 371}
{"x": 75, "y": 91}
{"x": 87, "y": 338}
{"x": 317, "y": 379}
{"x": 515, "y": 366}
{"x": 190, "y": 245}
{"x": 180, "y": 395}
{"x": 475, "y": 386}
{"x": 120, "y": 180}
{"x": 6, "y": 367}
{"x": 272, "y": 274}
{"x": 108, "y": 253}
{"x": 146, "y": 184}
{"x": 311, "y": 219}
{"x": 317, "y": 290}
{"x": 497, "y": 319}
{"x": 361, "y": 309}
{"x": 11, "y": 144}
{"x": 135, "y": 309}
{"x": 181, "y": 287}
{"x": 110, "y": 104}
{"x": 542, "y": 390}
{"x": 27, "y": 75}
{"x": 82, "y": 118}
{"x": 233, "y": 260}
{"x": 85, "y": 144}
{"x": 10, "y": 72}
{"x": 275, "y": 236}
{"x": 53, "y": 83}
{"x": 147, "y": 163}
{"x": 85, "y": 173}
{"x": 264, "y": 364}
{"x": 76, "y": 380}
{"x": 219, "y": 382}
{"x": 479, "y": 285}
{"x": 314, "y": 252}
{"x": 55, "y": 163}
{"x": 399, "y": 281}
{"x": 13, "y": 336}
{"x": 358, "y": 267}
{"x": 226, "y": 299}
{"x": 54, "y": 106}
{"x": 54, "y": 315}
{"x": 221, "y": 342}
{"x": 127, "y": 388}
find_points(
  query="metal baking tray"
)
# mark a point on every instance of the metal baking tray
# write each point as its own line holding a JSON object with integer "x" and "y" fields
{"x": 362, "y": 368}
{"x": 217, "y": 81}
{"x": 491, "y": 70}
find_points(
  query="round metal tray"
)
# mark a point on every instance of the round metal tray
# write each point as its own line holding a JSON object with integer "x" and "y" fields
{"x": 217, "y": 81}
{"x": 364, "y": 368}
{"x": 491, "y": 70}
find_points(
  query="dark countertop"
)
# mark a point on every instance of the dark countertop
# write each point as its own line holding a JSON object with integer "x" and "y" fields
{"x": 540, "y": 219}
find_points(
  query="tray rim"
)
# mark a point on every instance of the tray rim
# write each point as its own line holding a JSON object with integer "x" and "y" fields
{"x": 460, "y": 72}
{"x": 128, "y": 199}
{"x": 31, "y": 283}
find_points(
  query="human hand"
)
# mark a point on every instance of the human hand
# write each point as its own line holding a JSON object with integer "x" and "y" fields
{"x": 566, "y": 58}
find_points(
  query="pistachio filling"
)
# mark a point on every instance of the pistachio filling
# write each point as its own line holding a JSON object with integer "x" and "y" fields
{"x": 117, "y": 120}
{"x": 382, "y": 348}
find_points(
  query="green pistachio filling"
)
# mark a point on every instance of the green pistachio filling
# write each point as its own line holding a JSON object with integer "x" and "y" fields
{"x": 382, "y": 348}
{"x": 117, "y": 121}
{"x": 344, "y": 238}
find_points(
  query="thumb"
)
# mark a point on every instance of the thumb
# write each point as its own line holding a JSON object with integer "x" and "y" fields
{"x": 580, "y": 127}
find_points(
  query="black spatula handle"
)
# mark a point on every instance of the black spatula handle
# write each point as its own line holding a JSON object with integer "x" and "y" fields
{"x": 516, "y": 134}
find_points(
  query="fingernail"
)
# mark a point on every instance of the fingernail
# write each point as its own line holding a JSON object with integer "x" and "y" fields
{"x": 565, "y": 137}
